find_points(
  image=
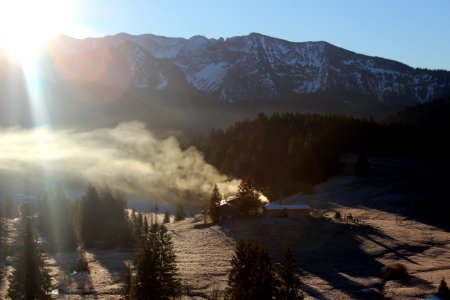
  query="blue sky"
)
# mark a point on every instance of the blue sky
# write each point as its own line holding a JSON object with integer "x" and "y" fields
{"x": 411, "y": 31}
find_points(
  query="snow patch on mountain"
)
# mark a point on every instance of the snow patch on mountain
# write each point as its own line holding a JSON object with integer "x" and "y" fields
{"x": 209, "y": 77}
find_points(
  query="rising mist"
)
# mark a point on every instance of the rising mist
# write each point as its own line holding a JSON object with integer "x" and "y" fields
{"x": 128, "y": 158}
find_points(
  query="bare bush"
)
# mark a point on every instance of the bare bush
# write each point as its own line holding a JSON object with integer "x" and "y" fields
{"x": 394, "y": 271}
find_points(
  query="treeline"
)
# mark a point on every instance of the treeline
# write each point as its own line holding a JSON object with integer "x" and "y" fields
{"x": 431, "y": 114}
{"x": 98, "y": 219}
{"x": 283, "y": 153}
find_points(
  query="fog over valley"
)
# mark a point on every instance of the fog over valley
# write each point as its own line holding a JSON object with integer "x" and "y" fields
{"x": 128, "y": 158}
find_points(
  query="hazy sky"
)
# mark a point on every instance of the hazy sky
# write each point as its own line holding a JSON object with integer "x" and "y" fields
{"x": 415, "y": 32}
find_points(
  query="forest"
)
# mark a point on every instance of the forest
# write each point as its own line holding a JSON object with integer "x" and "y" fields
{"x": 286, "y": 153}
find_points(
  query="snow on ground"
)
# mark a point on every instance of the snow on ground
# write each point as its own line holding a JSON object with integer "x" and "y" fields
{"x": 339, "y": 259}
{"x": 203, "y": 254}
{"x": 104, "y": 281}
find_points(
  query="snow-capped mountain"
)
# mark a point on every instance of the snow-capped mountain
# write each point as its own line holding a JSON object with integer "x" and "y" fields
{"x": 252, "y": 67}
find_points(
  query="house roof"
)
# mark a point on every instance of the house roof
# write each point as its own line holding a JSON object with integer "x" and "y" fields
{"x": 276, "y": 206}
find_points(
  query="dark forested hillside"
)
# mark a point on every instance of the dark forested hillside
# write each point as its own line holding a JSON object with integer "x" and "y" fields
{"x": 435, "y": 113}
{"x": 286, "y": 153}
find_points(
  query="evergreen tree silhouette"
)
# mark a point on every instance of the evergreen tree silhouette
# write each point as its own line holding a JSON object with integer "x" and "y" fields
{"x": 443, "y": 290}
{"x": 166, "y": 219}
{"x": 289, "y": 285}
{"x": 154, "y": 275}
{"x": 248, "y": 198}
{"x": 214, "y": 206}
{"x": 29, "y": 279}
{"x": 251, "y": 275}
{"x": 179, "y": 212}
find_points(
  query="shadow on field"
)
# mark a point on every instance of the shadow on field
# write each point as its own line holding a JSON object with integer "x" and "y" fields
{"x": 70, "y": 282}
{"x": 327, "y": 249}
{"x": 416, "y": 189}
{"x": 115, "y": 261}
{"x": 413, "y": 189}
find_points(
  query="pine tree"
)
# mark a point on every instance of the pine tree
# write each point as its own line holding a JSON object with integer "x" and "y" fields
{"x": 252, "y": 275}
{"x": 139, "y": 225}
{"x": 127, "y": 291}
{"x": 248, "y": 197}
{"x": 155, "y": 212}
{"x": 112, "y": 208}
{"x": 443, "y": 290}
{"x": 154, "y": 275}
{"x": 102, "y": 218}
{"x": 166, "y": 218}
{"x": 91, "y": 217}
{"x": 29, "y": 279}
{"x": 55, "y": 220}
{"x": 179, "y": 212}
{"x": 214, "y": 211}
{"x": 289, "y": 285}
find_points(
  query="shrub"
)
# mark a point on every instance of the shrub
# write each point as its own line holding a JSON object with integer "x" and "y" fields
{"x": 394, "y": 271}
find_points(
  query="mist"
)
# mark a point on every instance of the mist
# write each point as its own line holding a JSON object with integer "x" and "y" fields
{"x": 128, "y": 158}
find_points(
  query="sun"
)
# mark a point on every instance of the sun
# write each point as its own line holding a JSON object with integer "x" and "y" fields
{"x": 26, "y": 25}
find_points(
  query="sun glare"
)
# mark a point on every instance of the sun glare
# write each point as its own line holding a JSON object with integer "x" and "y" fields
{"x": 26, "y": 25}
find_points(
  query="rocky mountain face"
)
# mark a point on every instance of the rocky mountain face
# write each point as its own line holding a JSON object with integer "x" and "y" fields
{"x": 252, "y": 67}
{"x": 193, "y": 85}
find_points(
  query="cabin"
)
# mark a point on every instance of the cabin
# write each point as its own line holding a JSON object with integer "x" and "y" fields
{"x": 284, "y": 210}
{"x": 228, "y": 208}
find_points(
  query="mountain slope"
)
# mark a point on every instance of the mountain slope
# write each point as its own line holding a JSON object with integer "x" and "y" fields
{"x": 252, "y": 67}
{"x": 195, "y": 84}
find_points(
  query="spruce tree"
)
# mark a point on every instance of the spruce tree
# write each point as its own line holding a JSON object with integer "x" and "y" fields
{"x": 166, "y": 218}
{"x": 154, "y": 275}
{"x": 248, "y": 198}
{"x": 251, "y": 275}
{"x": 112, "y": 209}
{"x": 289, "y": 284}
{"x": 127, "y": 291}
{"x": 443, "y": 290}
{"x": 139, "y": 225}
{"x": 179, "y": 212}
{"x": 55, "y": 220}
{"x": 91, "y": 217}
{"x": 214, "y": 205}
{"x": 29, "y": 279}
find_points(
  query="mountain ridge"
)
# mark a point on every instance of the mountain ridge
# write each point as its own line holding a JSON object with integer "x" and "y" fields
{"x": 196, "y": 84}
{"x": 259, "y": 67}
